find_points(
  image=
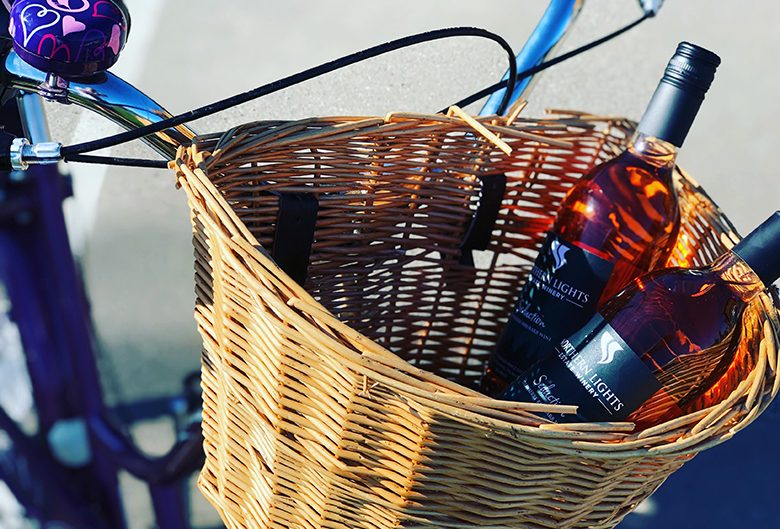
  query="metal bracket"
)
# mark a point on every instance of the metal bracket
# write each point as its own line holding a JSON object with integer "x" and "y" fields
{"x": 24, "y": 154}
{"x": 54, "y": 89}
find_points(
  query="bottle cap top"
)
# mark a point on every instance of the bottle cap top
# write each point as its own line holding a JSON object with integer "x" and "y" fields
{"x": 691, "y": 68}
{"x": 761, "y": 250}
{"x": 680, "y": 93}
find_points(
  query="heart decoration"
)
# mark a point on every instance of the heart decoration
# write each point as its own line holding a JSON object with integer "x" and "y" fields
{"x": 93, "y": 46}
{"x": 71, "y": 25}
{"x": 115, "y": 43}
{"x": 56, "y": 48}
{"x": 64, "y": 5}
{"x": 43, "y": 19}
{"x": 105, "y": 9}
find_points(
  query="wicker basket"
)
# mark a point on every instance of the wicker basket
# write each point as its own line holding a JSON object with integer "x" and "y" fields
{"x": 347, "y": 402}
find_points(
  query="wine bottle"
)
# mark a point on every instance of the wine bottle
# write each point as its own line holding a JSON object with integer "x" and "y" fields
{"x": 669, "y": 335}
{"x": 617, "y": 222}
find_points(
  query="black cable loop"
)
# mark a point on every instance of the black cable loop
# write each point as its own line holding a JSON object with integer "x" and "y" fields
{"x": 291, "y": 80}
{"x": 552, "y": 62}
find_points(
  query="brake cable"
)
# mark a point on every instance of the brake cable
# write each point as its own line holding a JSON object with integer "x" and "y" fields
{"x": 110, "y": 141}
{"x": 75, "y": 153}
{"x": 552, "y": 62}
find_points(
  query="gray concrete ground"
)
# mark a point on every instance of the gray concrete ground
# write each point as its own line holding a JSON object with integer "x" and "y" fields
{"x": 131, "y": 226}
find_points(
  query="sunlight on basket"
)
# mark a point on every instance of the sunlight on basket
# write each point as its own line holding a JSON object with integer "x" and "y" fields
{"x": 346, "y": 399}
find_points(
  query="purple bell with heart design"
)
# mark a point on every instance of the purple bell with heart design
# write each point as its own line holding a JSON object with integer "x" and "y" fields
{"x": 69, "y": 38}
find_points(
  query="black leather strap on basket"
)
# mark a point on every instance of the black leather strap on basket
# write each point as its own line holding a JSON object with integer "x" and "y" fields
{"x": 295, "y": 224}
{"x": 484, "y": 220}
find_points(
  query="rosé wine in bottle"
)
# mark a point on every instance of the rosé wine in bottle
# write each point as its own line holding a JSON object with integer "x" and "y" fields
{"x": 617, "y": 222}
{"x": 669, "y": 335}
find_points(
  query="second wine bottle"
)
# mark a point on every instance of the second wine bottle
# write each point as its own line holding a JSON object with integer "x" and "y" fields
{"x": 616, "y": 223}
{"x": 661, "y": 346}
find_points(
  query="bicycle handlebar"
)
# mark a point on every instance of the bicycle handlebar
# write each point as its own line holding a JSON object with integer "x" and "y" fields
{"x": 107, "y": 95}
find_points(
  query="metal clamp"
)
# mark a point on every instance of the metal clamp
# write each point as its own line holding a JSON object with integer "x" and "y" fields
{"x": 54, "y": 89}
{"x": 651, "y": 7}
{"x": 24, "y": 154}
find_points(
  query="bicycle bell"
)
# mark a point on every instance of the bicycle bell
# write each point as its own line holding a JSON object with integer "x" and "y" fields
{"x": 69, "y": 38}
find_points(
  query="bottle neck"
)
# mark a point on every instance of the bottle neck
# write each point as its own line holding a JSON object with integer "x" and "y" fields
{"x": 655, "y": 151}
{"x": 735, "y": 272}
{"x": 671, "y": 112}
{"x": 760, "y": 249}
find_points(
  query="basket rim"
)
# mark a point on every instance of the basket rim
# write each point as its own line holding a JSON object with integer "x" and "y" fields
{"x": 705, "y": 428}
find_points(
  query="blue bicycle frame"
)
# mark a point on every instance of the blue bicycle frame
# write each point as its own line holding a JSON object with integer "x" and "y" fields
{"x": 49, "y": 307}
{"x": 546, "y": 38}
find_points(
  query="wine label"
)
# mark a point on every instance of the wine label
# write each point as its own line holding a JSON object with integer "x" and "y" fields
{"x": 594, "y": 369}
{"x": 559, "y": 297}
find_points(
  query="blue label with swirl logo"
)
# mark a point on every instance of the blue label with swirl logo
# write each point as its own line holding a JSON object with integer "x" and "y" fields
{"x": 560, "y": 296}
{"x": 594, "y": 369}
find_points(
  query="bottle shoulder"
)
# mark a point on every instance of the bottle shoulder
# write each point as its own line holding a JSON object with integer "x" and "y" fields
{"x": 675, "y": 306}
{"x": 685, "y": 285}
{"x": 623, "y": 207}
{"x": 726, "y": 276}
{"x": 630, "y": 169}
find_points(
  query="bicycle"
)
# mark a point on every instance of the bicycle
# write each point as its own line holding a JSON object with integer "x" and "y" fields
{"x": 165, "y": 489}
{"x": 73, "y": 475}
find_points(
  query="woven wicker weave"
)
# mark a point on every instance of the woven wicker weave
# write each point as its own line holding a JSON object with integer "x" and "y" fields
{"x": 347, "y": 403}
